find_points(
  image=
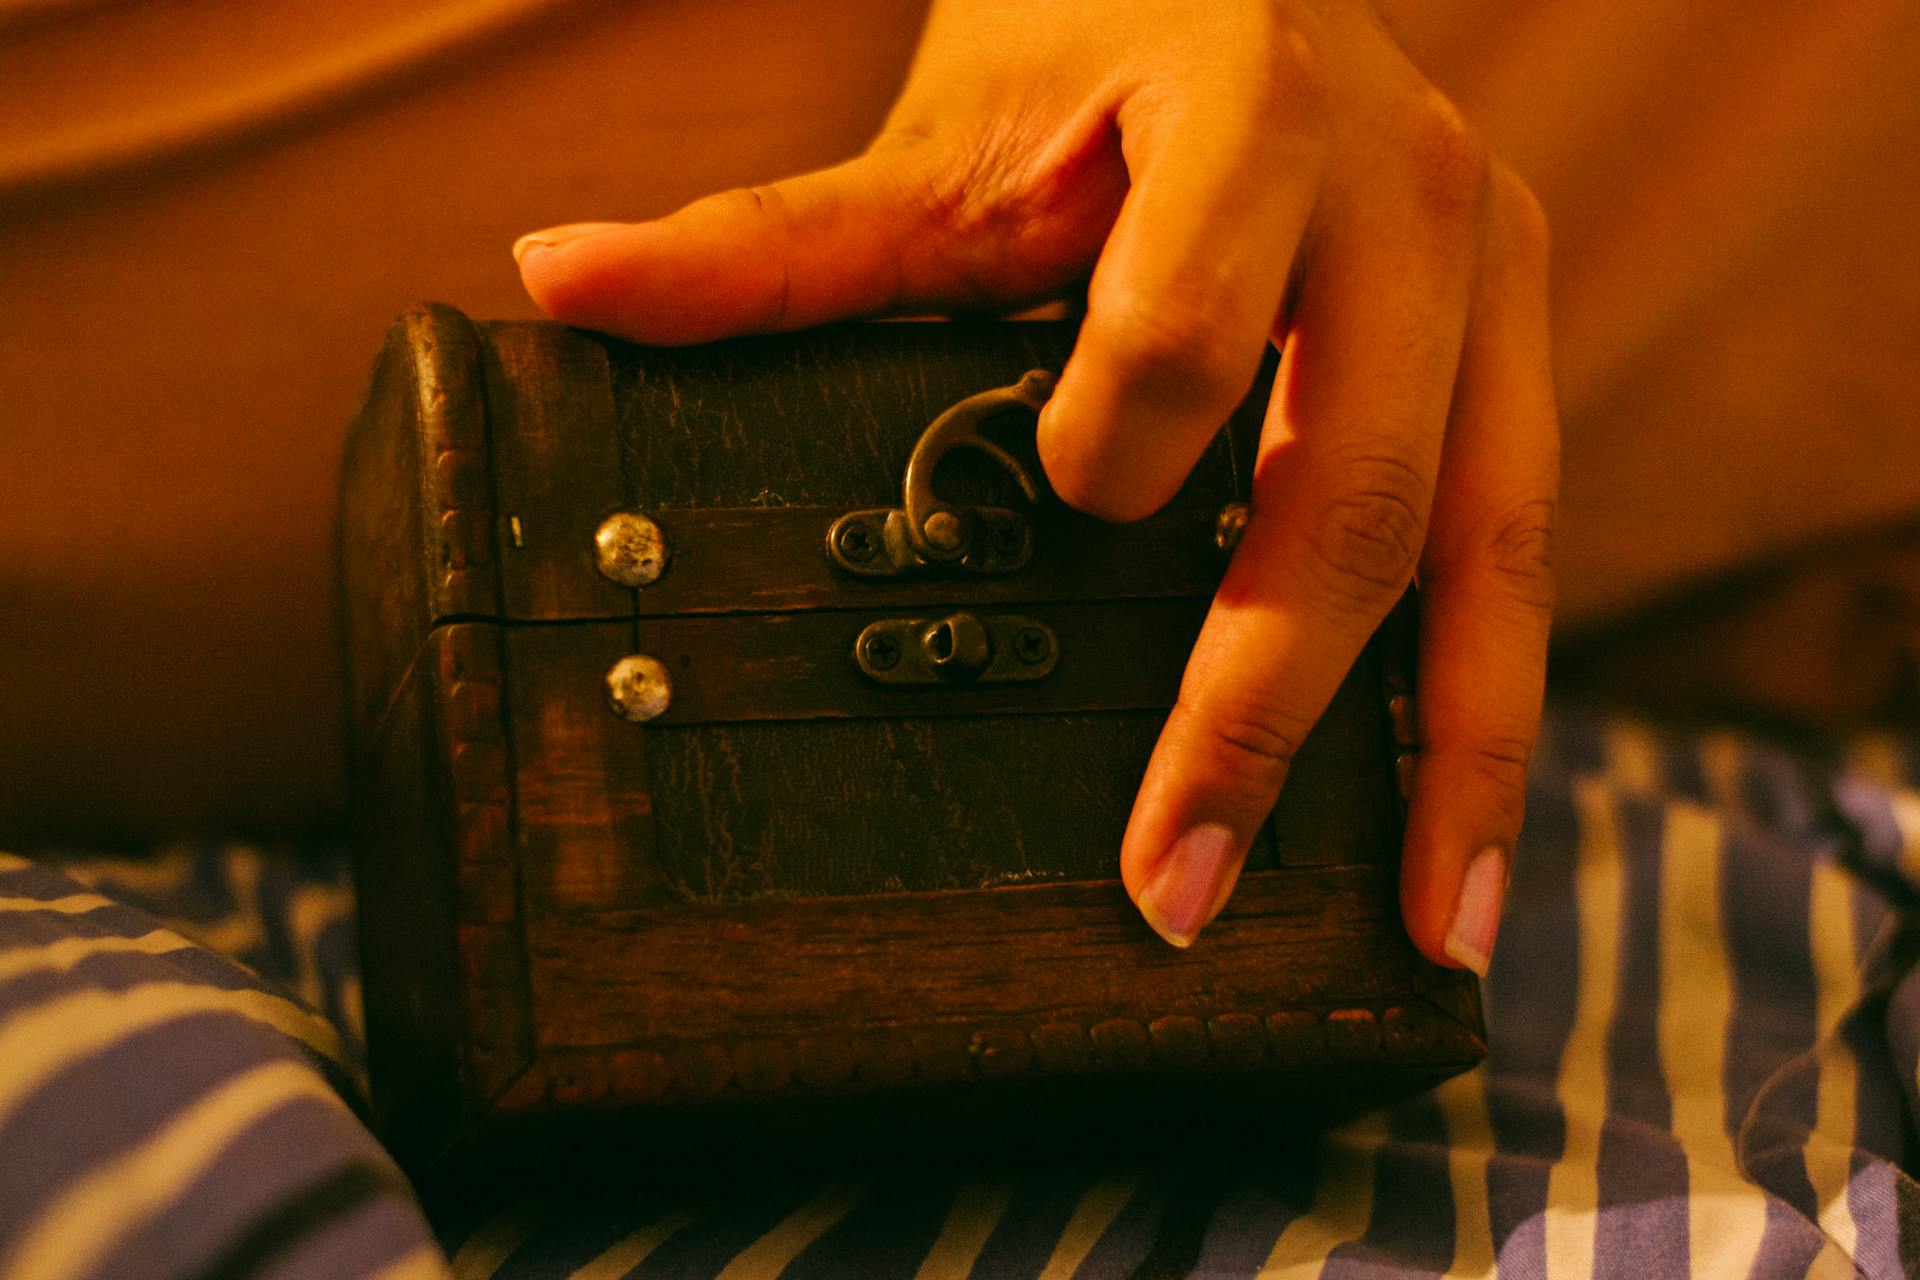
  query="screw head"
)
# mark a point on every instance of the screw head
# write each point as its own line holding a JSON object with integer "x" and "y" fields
{"x": 943, "y": 530}
{"x": 882, "y": 651}
{"x": 1032, "y": 645}
{"x": 856, "y": 542}
{"x": 638, "y": 688}
{"x": 1008, "y": 539}
{"x": 629, "y": 549}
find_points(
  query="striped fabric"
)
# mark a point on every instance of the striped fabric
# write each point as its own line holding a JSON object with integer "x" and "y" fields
{"x": 1706, "y": 1029}
{"x": 165, "y": 1112}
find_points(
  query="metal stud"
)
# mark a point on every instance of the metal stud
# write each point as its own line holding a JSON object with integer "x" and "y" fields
{"x": 945, "y": 531}
{"x": 1232, "y": 522}
{"x": 629, "y": 549}
{"x": 638, "y": 688}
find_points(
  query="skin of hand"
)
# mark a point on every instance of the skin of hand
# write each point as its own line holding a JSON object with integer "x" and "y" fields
{"x": 1219, "y": 177}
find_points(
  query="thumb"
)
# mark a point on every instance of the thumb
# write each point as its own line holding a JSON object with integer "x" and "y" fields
{"x": 845, "y": 241}
{"x": 859, "y": 238}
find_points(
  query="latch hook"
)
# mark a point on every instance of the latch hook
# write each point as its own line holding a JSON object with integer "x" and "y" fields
{"x": 930, "y": 533}
{"x": 939, "y": 530}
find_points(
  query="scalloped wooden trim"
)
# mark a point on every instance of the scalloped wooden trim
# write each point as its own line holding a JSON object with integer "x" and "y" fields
{"x": 1402, "y": 1034}
{"x": 493, "y": 966}
{"x": 456, "y": 480}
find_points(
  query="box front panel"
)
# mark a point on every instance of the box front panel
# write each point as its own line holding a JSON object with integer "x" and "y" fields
{"x": 797, "y": 876}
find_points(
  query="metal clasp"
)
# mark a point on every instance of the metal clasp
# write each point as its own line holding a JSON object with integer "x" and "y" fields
{"x": 927, "y": 534}
{"x": 961, "y": 648}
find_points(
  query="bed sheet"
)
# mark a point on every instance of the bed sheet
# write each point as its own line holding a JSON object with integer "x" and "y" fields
{"x": 1705, "y": 1016}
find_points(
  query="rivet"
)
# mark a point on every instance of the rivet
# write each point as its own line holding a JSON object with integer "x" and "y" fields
{"x": 629, "y": 549}
{"x": 943, "y": 530}
{"x": 638, "y": 688}
{"x": 1231, "y": 523}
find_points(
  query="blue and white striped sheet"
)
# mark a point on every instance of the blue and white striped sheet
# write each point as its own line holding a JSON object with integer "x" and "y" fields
{"x": 1705, "y": 1011}
{"x": 164, "y": 1112}
{"x": 284, "y": 911}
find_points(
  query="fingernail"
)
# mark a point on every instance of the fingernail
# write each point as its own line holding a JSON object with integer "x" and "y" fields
{"x": 1191, "y": 883}
{"x": 553, "y": 237}
{"x": 1477, "y": 919}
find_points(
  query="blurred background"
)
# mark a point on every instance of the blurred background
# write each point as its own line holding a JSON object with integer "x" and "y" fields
{"x": 209, "y": 212}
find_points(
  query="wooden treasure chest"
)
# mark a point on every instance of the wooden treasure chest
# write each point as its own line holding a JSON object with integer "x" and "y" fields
{"x": 742, "y": 743}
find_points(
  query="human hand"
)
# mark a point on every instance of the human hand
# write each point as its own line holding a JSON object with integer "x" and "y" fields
{"x": 1231, "y": 175}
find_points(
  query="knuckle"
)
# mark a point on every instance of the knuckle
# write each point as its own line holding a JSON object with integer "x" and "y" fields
{"x": 913, "y": 124}
{"x": 1173, "y": 342}
{"x": 1248, "y": 746}
{"x": 1520, "y": 222}
{"x": 1291, "y": 71}
{"x": 1521, "y": 553}
{"x": 1449, "y": 164}
{"x": 766, "y": 203}
{"x": 1365, "y": 540}
{"x": 1500, "y": 760}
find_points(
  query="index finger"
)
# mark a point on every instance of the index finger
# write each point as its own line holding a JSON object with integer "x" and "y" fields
{"x": 1188, "y": 288}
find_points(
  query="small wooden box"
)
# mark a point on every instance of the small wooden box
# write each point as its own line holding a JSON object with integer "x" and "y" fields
{"x": 835, "y": 885}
